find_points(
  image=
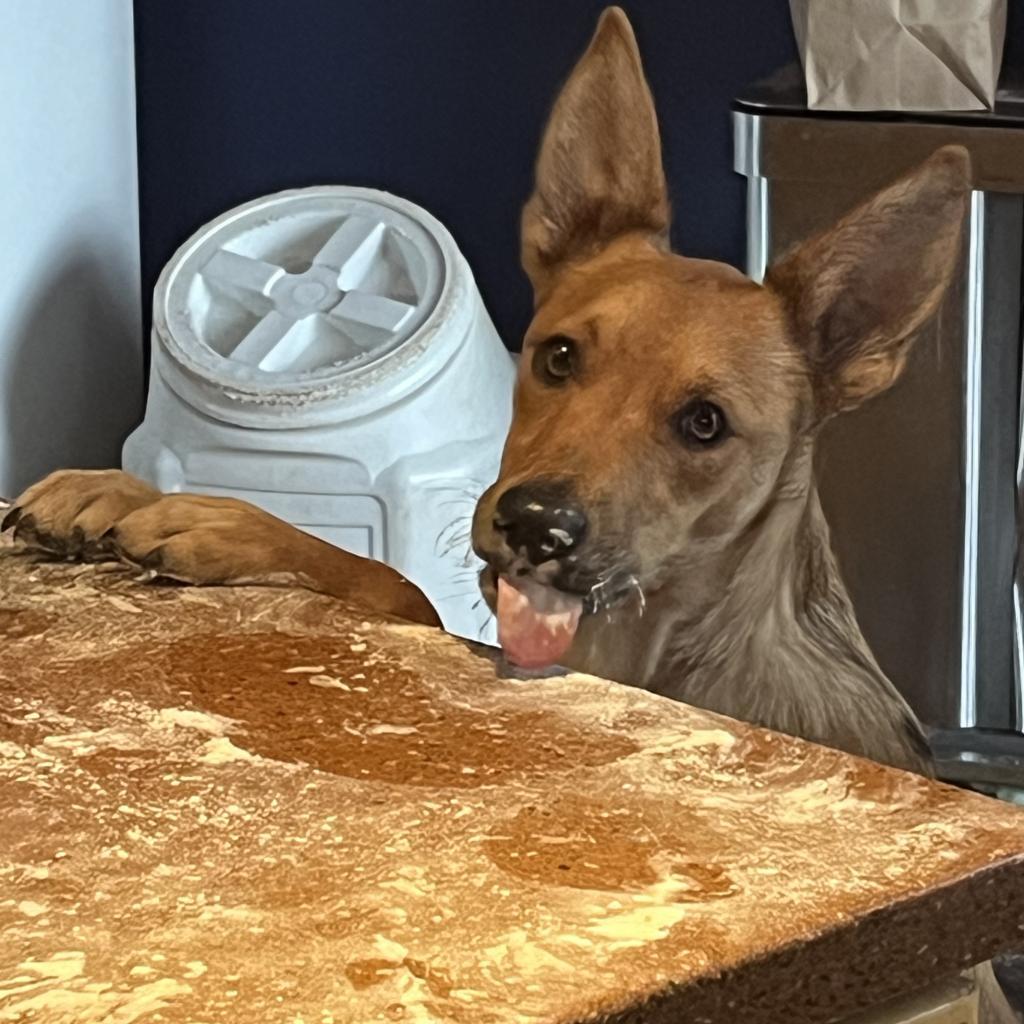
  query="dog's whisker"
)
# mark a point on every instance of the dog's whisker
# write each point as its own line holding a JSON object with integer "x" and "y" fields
{"x": 459, "y": 522}
{"x": 487, "y": 619}
{"x": 637, "y": 589}
{"x": 445, "y": 535}
{"x": 454, "y": 544}
{"x": 456, "y": 595}
{"x": 613, "y": 587}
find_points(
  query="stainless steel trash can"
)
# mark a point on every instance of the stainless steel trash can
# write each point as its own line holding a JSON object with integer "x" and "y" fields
{"x": 922, "y": 486}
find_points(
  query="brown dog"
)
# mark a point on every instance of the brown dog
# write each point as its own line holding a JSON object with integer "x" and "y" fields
{"x": 656, "y": 519}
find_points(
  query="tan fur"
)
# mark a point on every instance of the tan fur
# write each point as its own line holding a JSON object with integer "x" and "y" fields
{"x": 101, "y": 515}
{"x": 745, "y": 612}
{"x": 738, "y": 605}
{"x": 744, "y": 609}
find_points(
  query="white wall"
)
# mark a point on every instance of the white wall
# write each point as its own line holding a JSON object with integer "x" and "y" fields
{"x": 71, "y": 383}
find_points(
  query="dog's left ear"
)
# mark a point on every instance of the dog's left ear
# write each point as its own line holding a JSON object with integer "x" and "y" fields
{"x": 599, "y": 173}
{"x": 858, "y": 293}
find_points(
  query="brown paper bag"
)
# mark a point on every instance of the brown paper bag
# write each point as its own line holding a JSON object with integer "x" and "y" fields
{"x": 900, "y": 54}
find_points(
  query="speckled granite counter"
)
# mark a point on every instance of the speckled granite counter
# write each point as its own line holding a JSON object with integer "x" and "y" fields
{"x": 246, "y": 805}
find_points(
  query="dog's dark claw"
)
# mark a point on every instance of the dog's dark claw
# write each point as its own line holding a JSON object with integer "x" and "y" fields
{"x": 154, "y": 560}
{"x": 107, "y": 548}
{"x": 41, "y": 543}
{"x": 25, "y": 527}
{"x": 101, "y": 550}
{"x": 76, "y": 542}
{"x": 11, "y": 519}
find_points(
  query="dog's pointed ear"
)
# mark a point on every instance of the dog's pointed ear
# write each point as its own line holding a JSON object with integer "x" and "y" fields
{"x": 599, "y": 173}
{"x": 858, "y": 293}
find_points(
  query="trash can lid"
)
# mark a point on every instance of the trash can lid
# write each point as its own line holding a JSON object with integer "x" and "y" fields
{"x": 784, "y": 93}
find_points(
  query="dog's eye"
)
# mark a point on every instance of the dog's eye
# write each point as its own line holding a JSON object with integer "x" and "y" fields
{"x": 701, "y": 424}
{"x": 554, "y": 360}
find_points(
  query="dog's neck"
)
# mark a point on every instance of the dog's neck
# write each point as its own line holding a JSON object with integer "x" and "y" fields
{"x": 763, "y": 630}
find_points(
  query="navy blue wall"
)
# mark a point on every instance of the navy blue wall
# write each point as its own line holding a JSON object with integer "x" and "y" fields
{"x": 440, "y": 101}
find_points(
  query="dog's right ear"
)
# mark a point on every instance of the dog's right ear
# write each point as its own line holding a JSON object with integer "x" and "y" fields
{"x": 599, "y": 174}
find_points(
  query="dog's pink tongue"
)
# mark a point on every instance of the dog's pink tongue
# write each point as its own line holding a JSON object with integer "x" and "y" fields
{"x": 536, "y": 624}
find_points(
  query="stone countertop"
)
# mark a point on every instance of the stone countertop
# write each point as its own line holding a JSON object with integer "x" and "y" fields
{"x": 252, "y": 805}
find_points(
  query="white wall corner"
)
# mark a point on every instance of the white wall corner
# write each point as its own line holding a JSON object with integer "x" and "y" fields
{"x": 71, "y": 384}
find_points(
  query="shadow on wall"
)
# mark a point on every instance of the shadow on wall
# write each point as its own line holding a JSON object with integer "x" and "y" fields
{"x": 71, "y": 380}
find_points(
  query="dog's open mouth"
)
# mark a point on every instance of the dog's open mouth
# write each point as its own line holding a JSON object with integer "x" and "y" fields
{"x": 536, "y": 623}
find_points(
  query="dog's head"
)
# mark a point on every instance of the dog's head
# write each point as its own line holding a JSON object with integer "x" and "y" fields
{"x": 664, "y": 402}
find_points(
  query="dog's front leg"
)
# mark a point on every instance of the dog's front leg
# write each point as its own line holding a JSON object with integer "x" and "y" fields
{"x": 200, "y": 540}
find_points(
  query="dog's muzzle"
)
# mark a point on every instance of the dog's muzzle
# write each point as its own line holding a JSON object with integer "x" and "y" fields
{"x": 528, "y": 542}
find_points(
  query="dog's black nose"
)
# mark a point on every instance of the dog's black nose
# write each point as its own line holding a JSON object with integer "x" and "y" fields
{"x": 541, "y": 519}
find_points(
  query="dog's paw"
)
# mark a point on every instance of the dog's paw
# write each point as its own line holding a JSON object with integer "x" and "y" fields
{"x": 203, "y": 540}
{"x": 67, "y": 514}
{"x": 222, "y": 541}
